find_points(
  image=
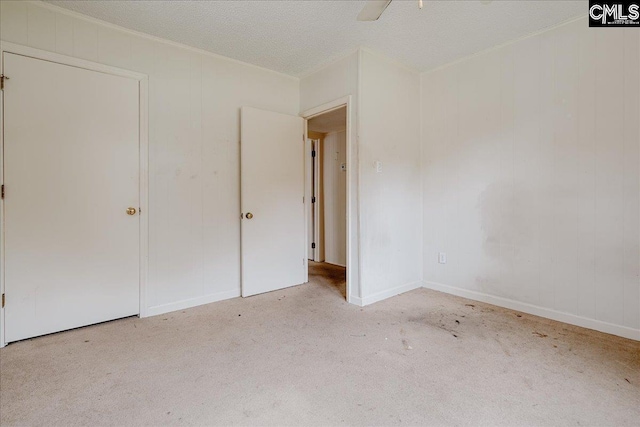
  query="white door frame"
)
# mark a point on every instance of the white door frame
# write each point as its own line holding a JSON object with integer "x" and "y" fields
{"x": 144, "y": 156}
{"x": 352, "y": 237}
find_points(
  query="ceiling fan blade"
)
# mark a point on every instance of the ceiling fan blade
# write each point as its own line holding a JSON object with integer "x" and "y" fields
{"x": 372, "y": 10}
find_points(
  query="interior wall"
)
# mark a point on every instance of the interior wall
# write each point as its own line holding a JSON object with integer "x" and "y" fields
{"x": 391, "y": 198}
{"x": 335, "y": 198}
{"x": 194, "y": 122}
{"x": 333, "y": 82}
{"x": 531, "y": 176}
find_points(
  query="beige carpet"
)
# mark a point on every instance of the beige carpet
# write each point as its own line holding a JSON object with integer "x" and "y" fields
{"x": 303, "y": 356}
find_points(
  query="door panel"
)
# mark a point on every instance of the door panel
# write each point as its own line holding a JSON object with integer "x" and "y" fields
{"x": 318, "y": 212}
{"x": 71, "y": 165}
{"x": 309, "y": 180}
{"x": 272, "y": 190}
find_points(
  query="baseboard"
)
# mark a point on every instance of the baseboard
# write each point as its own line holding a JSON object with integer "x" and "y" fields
{"x": 192, "y": 302}
{"x": 379, "y": 296}
{"x": 355, "y": 300}
{"x": 585, "y": 322}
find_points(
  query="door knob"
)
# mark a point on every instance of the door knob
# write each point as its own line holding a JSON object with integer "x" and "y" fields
{"x": 131, "y": 211}
{"x": 249, "y": 215}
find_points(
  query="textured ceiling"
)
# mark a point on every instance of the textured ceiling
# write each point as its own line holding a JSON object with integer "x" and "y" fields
{"x": 333, "y": 121}
{"x": 294, "y": 37}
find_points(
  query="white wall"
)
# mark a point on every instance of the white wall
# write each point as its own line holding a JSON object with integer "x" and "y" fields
{"x": 531, "y": 176}
{"x": 323, "y": 86}
{"x": 194, "y": 121}
{"x": 335, "y": 197}
{"x": 390, "y": 201}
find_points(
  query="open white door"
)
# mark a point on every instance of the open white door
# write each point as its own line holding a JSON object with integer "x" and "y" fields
{"x": 272, "y": 201}
{"x": 309, "y": 173}
{"x": 71, "y": 171}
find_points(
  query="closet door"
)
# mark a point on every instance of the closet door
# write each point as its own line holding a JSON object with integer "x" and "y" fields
{"x": 71, "y": 173}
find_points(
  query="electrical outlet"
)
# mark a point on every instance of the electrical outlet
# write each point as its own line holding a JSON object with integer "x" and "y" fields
{"x": 442, "y": 257}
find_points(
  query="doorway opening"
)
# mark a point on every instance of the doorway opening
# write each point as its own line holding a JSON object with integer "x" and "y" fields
{"x": 327, "y": 219}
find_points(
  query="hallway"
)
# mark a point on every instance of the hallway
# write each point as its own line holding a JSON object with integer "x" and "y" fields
{"x": 329, "y": 276}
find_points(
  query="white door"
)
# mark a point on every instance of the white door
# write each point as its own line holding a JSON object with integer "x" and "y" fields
{"x": 71, "y": 168}
{"x": 318, "y": 214}
{"x": 272, "y": 199}
{"x": 310, "y": 175}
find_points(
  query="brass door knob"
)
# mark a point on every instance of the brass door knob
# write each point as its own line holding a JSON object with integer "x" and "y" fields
{"x": 249, "y": 215}
{"x": 131, "y": 211}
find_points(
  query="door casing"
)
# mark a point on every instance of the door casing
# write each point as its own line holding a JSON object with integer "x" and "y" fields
{"x": 143, "y": 147}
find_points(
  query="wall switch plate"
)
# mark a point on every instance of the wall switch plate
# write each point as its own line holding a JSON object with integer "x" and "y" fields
{"x": 442, "y": 257}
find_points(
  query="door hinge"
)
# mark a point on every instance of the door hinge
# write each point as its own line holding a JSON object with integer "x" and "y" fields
{"x": 313, "y": 153}
{"x": 2, "y": 300}
{"x": 2, "y": 192}
{"x": 313, "y": 200}
{"x": 2, "y": 79}
{"x": 313, "y": 246}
